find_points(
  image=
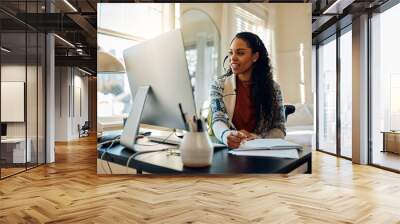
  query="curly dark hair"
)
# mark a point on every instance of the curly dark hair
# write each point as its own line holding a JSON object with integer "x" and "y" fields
{"x": 263, "y": 94}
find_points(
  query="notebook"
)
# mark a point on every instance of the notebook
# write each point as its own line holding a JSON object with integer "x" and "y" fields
{"x": 279, "y": 153}
{"x": 266, "y": 144}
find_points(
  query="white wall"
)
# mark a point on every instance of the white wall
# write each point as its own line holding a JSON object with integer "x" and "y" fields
{"x": 12, "y": 73}
{"x": 212, "y": 10}
{"x": 290, "y": 29}
{"x": 80, "y": 110}
{"x": 294, "y": 48}
{"x": 69, "y": 82}
{"x": 62, "y": 113}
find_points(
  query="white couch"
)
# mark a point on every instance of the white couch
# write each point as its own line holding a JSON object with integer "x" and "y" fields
{"x": 300, "y": 125}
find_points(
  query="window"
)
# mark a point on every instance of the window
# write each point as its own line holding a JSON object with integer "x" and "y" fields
{"x": 346, "y": 94}
{"x": 113, "y": 92}
{"x": 247, "y": 21}
{"x": 124, "y": 30}
{"x": 333, "y": 137}
{"x": 113, "y": 95}
{"x": 114, "y": 45}
{"x": 385, "y": 84}
{"x": 394, "y": 101}
{"x": 128, "y": 19}
{"x": 191, "y": 57}
{"x": 327, "y": 96}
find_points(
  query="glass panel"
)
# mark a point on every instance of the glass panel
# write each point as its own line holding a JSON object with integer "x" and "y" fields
{"x": 346, "y": 94}
{"x": 385, "y": 86}
{"x": 41, "y": 98}
{"x": 13, "y": 85}
{"x": 31, "y": 98}
{"x": 22, "y": 79}
{"x": 327, "y": 96}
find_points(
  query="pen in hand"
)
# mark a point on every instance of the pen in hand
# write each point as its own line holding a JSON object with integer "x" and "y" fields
{"x": 235, "y": 139}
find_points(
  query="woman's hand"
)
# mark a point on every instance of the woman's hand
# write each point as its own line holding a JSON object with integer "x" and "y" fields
{"x": 234, "y": 139}
{"x": 249, "y": 135}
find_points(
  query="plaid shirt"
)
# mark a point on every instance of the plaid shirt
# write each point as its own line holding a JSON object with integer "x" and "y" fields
{"x": 222, "y": 104}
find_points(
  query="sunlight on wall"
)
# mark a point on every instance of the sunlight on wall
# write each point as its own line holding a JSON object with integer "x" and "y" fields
{"x": 302, "y": 82}
{"x": 177, "y": 15}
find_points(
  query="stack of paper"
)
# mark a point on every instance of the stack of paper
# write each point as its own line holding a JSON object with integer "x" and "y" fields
{"x": 272, "y": 147}
{"x": 268, "y": 143}
{"x": 281, "y": 153}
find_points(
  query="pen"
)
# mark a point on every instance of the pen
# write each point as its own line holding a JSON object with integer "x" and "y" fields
{"x": 199, "y": 125}
{"x": 183, "y": 116}
{"x": 195, "y": 123}
{"x": 231, "y": 124}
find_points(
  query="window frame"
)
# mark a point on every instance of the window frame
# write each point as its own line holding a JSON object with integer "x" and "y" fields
{"x": 333, "y": 37}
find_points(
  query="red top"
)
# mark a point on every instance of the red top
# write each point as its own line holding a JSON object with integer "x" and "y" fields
{"x": 244, "y": 114}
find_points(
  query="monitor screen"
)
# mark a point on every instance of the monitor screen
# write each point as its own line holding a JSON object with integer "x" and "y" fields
{"x": 159, "y": 80}
{"x": 161, "y": 64}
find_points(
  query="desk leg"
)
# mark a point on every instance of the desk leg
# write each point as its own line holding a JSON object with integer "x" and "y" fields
{"x": 139, "y": 172}
{"x": 309, "y": 166}
{"x": 384, "y": 143}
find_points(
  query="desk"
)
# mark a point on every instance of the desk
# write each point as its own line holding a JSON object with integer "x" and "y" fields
{"x": 391, "y": 141}
{"x": 13, "y": 150}
{"x": 223, "y": 162}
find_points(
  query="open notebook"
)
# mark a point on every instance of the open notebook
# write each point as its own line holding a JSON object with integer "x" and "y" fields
{"x": 267, "y": 144}
{"x": 279, "y": 153}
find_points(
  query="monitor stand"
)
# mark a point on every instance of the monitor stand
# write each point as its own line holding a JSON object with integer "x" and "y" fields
{"x": 131, "y": 128}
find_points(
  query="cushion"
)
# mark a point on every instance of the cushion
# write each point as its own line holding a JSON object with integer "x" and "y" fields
{"x": 303, "y": 115}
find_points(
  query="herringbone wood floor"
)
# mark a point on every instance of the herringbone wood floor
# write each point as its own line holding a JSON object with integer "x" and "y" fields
{"x": 69, "y": 191}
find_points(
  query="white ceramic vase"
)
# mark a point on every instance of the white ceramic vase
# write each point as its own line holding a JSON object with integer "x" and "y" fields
{"x": 196, "y": 149}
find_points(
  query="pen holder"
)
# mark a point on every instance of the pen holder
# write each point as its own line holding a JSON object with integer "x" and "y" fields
{"x": 196, "y": 149}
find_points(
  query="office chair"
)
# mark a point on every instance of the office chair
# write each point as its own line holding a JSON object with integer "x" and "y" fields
{"x": 84, "y": 130}
{"x": 289, "y": 109}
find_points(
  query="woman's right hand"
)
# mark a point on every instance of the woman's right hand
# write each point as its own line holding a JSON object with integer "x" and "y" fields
{"x": 234, "y": 139}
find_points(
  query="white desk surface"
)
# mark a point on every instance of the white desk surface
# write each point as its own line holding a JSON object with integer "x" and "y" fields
{"x": 13, "y": 140}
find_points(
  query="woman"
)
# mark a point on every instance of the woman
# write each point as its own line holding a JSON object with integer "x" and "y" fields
{"x": 246, "y": 103}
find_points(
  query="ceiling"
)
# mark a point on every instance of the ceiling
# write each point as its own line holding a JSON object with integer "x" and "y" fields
{"x": 331, "y": 15}
{"x": 76, "y": 20}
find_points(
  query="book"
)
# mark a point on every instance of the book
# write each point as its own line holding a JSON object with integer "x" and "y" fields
{"x": 267, "y": 144}
{"x": 279, "y": 153}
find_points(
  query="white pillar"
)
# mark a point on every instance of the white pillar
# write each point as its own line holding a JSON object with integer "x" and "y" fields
{"x": 360, "y": 90}
{"x": 50, "y": 99}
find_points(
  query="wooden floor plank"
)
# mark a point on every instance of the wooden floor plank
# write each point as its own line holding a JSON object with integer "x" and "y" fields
{"x": 70, "y": 191}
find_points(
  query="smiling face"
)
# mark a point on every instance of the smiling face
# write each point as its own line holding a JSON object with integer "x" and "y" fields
{"x": 241, "y": 57}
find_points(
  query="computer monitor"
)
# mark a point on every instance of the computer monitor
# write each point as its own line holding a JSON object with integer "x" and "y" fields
{"x": 3, "y": 130}
{"x": 159, "y": 80}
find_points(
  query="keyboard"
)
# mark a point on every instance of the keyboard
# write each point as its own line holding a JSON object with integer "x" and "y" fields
{"x": 175, "y": 140}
